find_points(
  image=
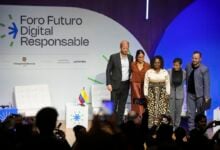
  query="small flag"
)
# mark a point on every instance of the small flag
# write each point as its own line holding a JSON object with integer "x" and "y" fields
{"x": 83, "y": 97}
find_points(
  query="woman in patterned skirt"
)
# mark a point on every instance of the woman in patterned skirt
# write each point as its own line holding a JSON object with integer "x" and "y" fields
{"x": 156, "y": 90}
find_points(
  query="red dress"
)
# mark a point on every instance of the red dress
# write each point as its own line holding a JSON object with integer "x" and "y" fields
{"x": 137, "y": 84}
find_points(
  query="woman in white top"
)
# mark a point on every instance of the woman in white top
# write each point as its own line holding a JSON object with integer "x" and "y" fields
{"x": 156, "y": 90}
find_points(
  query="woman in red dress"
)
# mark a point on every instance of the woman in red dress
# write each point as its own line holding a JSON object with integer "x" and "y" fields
{"x": 138, "y": 70}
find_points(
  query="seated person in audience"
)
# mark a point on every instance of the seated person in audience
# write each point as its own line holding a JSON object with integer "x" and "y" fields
{"x": 80, "y": 132}
{"x": 46, "y": 120}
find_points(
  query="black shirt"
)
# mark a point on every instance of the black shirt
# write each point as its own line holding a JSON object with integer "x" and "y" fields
{"x": 191, "y": 81}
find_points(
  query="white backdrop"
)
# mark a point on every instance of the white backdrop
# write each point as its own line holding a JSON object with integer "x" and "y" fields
{"x": 65, "y": 68}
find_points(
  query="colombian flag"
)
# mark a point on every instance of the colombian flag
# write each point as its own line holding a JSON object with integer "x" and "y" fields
{"x": 83, "y": 97}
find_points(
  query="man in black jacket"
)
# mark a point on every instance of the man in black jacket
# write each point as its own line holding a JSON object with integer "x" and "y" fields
{"x": 117, "y": 78}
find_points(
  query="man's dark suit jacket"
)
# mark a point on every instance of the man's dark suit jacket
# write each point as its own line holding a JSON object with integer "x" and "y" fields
{"x": 113, "y": 71}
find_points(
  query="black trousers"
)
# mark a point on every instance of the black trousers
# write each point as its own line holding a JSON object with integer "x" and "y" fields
{"x": 119, "y": 97}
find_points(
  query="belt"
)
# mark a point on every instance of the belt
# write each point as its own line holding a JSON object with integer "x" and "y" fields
{"x": 125, "y": 81}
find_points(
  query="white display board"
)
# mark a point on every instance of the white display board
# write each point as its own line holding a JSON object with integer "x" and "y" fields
{"x": 30, "y": 98}
{"x": 76, "y": 115}
{"x": 99, "y": 93}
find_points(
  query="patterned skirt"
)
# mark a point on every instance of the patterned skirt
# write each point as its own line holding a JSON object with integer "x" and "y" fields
{"x": 157, "y": 102}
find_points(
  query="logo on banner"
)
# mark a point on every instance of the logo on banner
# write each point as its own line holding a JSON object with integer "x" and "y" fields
{"x": 11, "y": 31}
{"x": 44, "y": 31}
{"x": 77, "y": 116}
{"x": 24, "y": 62}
